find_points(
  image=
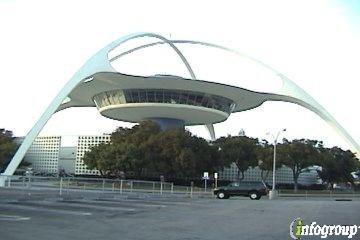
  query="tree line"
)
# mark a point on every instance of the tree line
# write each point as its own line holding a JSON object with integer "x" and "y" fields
{"x": 176, "y": 153}
{"x": 146, "y": 150}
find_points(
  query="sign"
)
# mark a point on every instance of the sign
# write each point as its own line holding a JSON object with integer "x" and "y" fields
{"x": 206, "y": 175}
{"x": 216, "y": 175}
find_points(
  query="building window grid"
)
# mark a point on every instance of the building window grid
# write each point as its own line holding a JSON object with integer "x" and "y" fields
{"x": 84, "y": 143}
{"x": 43, "y": 154}
{"x": 168, "y": 96}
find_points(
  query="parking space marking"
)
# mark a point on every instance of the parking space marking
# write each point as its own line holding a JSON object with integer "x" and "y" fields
{"x": 44, "y": 209}
{"x": 5, "y": 217}
{"x": 155, "y": 202}
{"x": 92, "y": 206}
{"x": 137, "y": 204}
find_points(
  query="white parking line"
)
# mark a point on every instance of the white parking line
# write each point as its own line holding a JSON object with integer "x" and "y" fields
{"x": 124, "y": 202}
{"x": 4, "y": 217}
{"x": 92, "y": 206}
{"x": 160, "y": 201}
{"x": 44, "y": 209}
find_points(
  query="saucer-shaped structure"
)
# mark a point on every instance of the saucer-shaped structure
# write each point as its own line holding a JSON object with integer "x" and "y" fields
{"x": 137, "y": 98}
{"x": 168, "y": 100}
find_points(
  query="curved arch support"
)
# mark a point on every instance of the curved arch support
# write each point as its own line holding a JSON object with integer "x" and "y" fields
{"x": 209, "y": 127}
{"x": 93, "y": 65}
{"x": 290, "y": 92}
{"x": 211, "y": 130}
{"x": 97, "y": 63}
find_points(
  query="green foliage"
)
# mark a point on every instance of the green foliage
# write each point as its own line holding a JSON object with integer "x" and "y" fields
{"x": 145, "y": 148}
{"x": 240, "y": 150}
{"x": 181, "y": 154}
{"x": 298, "y": 155}
{"x": 337, "y": 165}
{"x": 176, "y": 153}
{"x": 127, "y": 151}
{"x": 7, "y": 147}
{"x": 265, "y": 155}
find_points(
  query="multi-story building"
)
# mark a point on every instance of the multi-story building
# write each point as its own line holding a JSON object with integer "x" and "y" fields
{"x": 43, "y": 155}
{"x": 283, "y": 175}
{"x": 47, "y": 155}
{"x": 67, "y": 159}
{"x": 84, "y": 144}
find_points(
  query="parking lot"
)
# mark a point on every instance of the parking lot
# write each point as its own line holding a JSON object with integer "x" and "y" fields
{"x": 45, "y": 215}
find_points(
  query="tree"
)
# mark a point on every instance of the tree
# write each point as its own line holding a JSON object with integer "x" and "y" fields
{"x": 179, "y": 153}
{"x": 240, "y": 150}
{"x": 98, "y": 158}
{"x": 128, "y": 150}
{"x": 265, "y": 156}
{"x": 145, "y": 147}
{"x": 298, "y": 155}
{"x": 134, "y": 146}
{"x": 7, "y": 148}
{"x": 337, "y": 165}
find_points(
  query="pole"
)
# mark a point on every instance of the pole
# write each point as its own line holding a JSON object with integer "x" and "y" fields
{"x": 274, "y": 167}
{"x": 121, "y": 186}
{"x": 23, "y": 181}
{"x": 103, "y": 186}
{"x": 61, "y": 185}
{"x": 191, "y": 189}
{"x": 272, "y": 193}
{"x": 68, "y": 185}
{"x": 205, "y": 182}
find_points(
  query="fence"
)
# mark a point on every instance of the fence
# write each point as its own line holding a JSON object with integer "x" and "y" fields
{"x": 61, "y": 186}
{"x": 312, "y": 194}
{"x": 73, "y": 185}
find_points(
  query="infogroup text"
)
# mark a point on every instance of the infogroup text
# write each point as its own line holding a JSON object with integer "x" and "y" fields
{"x": 298, "y": 229}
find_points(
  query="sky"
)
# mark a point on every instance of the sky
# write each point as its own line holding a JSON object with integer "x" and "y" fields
{"x": 314, "y": 43}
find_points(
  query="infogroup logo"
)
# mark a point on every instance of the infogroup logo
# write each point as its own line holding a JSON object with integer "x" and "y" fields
{"x": 298, "y": 229}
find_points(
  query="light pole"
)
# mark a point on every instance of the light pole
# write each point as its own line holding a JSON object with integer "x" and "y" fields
{"x": 272, "y": 193}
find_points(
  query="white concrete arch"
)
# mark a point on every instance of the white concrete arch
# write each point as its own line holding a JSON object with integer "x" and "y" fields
{"x": 209, "y": 127}
{"x": 99, "y": 62}
{"x": 289, "y": 92}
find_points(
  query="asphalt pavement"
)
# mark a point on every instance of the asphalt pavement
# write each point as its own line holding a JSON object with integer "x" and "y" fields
{"x": 45, "y": 215}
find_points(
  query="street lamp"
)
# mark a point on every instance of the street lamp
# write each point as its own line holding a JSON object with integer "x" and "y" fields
{"x": 272, "y": 193}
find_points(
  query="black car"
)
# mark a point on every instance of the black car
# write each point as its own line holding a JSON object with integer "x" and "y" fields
{"x": 254, "y": 190}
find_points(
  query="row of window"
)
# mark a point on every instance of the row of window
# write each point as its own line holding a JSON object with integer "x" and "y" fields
{"x": 163, "y": 96}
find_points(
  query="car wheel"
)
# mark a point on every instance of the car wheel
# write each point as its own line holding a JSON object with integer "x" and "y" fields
{"x": 254, "y": 195}
{"x": 221, "y": 195}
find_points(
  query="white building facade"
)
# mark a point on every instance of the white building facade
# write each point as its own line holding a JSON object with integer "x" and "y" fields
{"x": 284, "y": 175}
{"x": 84, "y": 144}
{"x": 43, "y": 155}
{"x": 46, "y": 155}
